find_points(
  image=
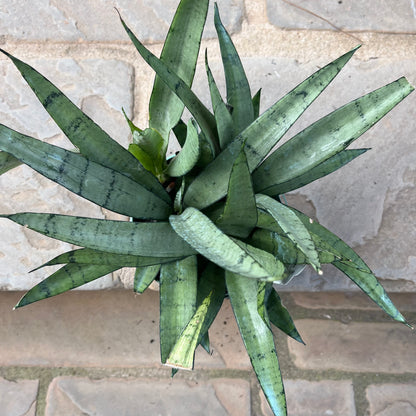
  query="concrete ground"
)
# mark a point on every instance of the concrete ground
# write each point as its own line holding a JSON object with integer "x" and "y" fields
{"x": 97, "y": 353}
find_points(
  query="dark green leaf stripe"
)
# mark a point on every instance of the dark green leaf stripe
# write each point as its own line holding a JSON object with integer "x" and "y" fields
{"x": 178, "y": 291}
{"x": 240, "y": 212}
{"x": 90, "y": 256}
{"x": 92, "y": 181}
{"x": 8, "y": 162}
{"x": 165, "y": 108}
{"x": 256, "y": 103}
{"x": 88, "y": 137}
{"x": 202, "y": 115}
{"x": 328, "y": 136}
{"x": 138, "y": 239}
{"x": 260, "y": 136}
{"x": 325, "y": 168}
{"x": 258, "y": 339}
{"x": 67, "y": 278}
{"x": 238, "y": 88}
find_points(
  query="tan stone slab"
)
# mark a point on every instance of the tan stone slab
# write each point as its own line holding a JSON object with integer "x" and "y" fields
{"x": 392, "y": 399}
{"x": 106, "y": 329}
{"x": 312, "y": 398}
{"x": 147, "y": 397}
{"x": 350, "y": 300}
{"x": 18, "y": 398}
{"x": 361, "y": 347}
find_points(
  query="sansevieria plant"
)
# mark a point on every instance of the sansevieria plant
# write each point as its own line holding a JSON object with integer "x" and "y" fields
{"x": 210, "y": 222}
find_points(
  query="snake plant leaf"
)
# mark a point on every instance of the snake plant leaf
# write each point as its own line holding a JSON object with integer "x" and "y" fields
{"x": 92, "y": 181}
{"x": 354, "y": 267}
{"x": 240, "y": 211}
{"x": 207, "y": 239}
{"x": 8, "y": 162}
{"x": 90, "y": 256}
{"x": 144, "y": 276}
{"x": 328, "y": 136}
{"x": 183, "y": 353}
{"x": 165, "y": 108}
{"x": 256, "y": 103}
{"x": 150, "y": 239}
{"x": 319, "y": 171}
{"x": 201, "y": 114}
{"x": 94, "y": 143}
{"x": 178, "y": 292}
{"x": 66, "y": 278}
{"x": 261, "y": 135}
{"x": 286, "y": 251}
{"x": 258, "y": 339}
{"x": 225, "y": 125}
{"x": 238, "y": 88}
{"x": 263, "y": 292}
{"x": 292, "y": 227}
{"x": 187, "y": 158}
{"x": 279, "y": 316}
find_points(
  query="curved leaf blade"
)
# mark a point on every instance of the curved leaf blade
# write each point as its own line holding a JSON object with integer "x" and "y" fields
{"x": 238, "y": 88}
{"x": 319, "y": 171}
{"x": 187, "y": 158}
{"x": 165, "y": 108}
{"x": 92, "y": 181}
{"x": 150, "y": 239}
{"x": 144, "y": 276}
{"x": 178, "y": 291}
{"x": 328, "y": 136}
{"x": 93, "y": 142}
{"x": 292, "y": 227}
{"x": 261, "y": 135}
{"x": 68, "y": 277}
{"x": 8, "y": 162}
{"x": 207, "y": 239}
{"x": 258, "y": 339}
{"x": 240, "y": 212}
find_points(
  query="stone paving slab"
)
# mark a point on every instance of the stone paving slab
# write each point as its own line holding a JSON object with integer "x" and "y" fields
{"x": 18, "y": 398}
{"x": 392, "y": 399}
{"x": 103, "y": 329}
{"x": 94, "y": 20}
{"x": 360, "y": 347}
{"x": 313, "y": 398}
{"x": 147, "y": 397}
{"x": 350, "y": 300}
{"x": 396, "y": 16}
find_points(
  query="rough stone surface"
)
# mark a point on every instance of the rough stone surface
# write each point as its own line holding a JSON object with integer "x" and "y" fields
{"x": 80, "y": 396}
{"x": 312, "y": 398}
{"x": 18, "y": 398}
{"x": 103, "y": 329}
{"x": 372, "y": 15}
{"x": 361, "y": 347}
{"x": 92, "y": 20}
{"x": 392, "y": 399}
{"x": 90, "y": 84}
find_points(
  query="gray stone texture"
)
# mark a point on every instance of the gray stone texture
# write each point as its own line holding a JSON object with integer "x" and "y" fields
{"x": 361, "y": 347}
{"x": 147, "y": 397}
{"x": 18, "y": 398}
{"x": 312, "y": 398}
{"x": 90, "y": 84}
{"x": 391, "y": 399}
{"x": 92, "y": 20}
{"x": 103, "y": 329}
{"x": 349, "y": 15}
{"x": 365, "y": 202}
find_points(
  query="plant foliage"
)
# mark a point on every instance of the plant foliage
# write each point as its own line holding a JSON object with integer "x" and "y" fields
{"x": 209, "y": 222}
